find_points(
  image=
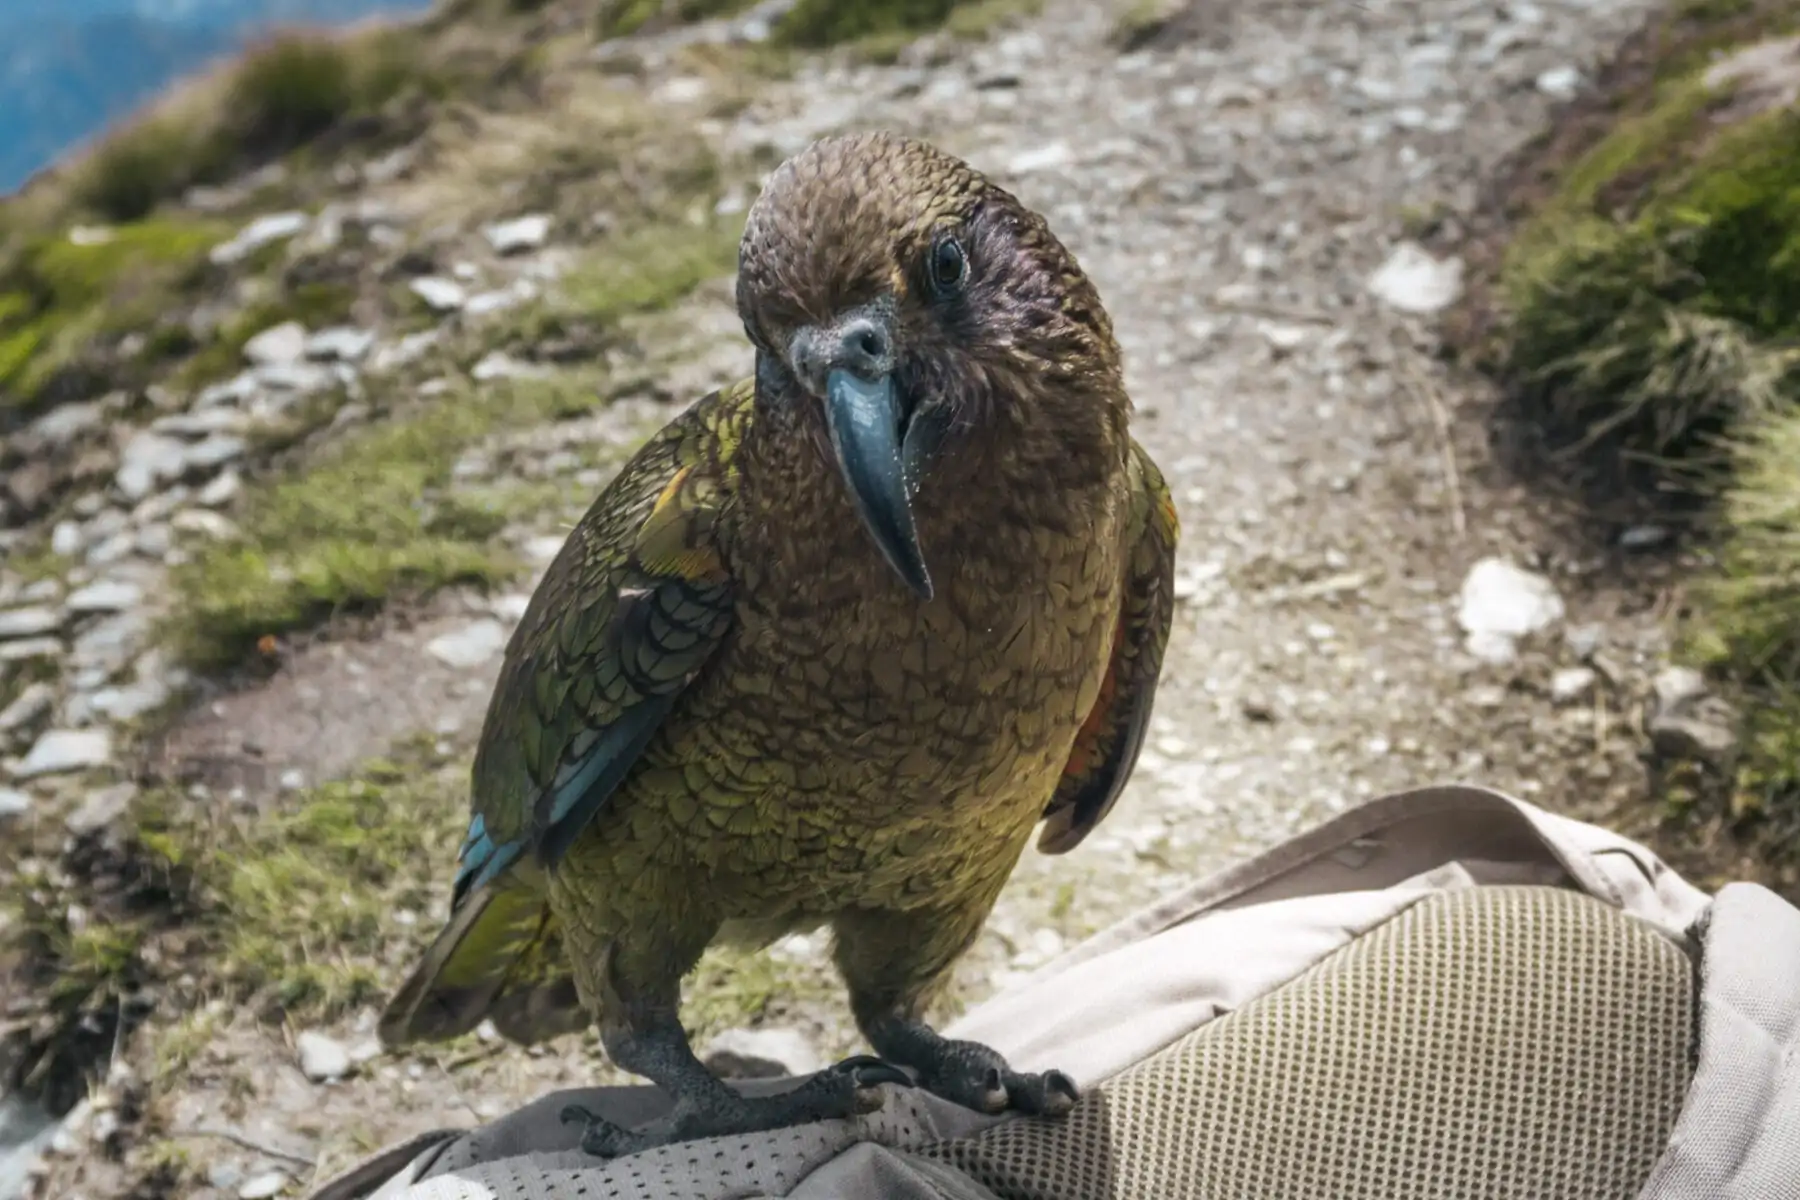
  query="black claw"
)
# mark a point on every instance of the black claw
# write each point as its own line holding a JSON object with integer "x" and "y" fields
{"x": 1057, "y": 1083}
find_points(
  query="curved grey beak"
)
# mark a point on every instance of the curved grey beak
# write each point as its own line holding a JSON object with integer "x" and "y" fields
{"x": 864, "y": 417}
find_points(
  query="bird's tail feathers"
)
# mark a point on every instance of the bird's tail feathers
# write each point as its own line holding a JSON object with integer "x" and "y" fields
{"x": 501, "y": 958}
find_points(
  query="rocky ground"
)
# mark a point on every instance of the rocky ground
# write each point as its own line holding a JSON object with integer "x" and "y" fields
{"x": 1367, "y": 601}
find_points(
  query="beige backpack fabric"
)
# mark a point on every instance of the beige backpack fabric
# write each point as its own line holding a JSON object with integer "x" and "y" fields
{"x": 1444, "y": 993}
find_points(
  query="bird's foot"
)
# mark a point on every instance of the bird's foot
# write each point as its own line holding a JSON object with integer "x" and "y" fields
{"x": 978, "y": 1077}
{"x": 846, "y": 1089}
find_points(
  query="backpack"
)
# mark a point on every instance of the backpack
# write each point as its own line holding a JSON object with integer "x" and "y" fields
{"x": 1445, "y": 993}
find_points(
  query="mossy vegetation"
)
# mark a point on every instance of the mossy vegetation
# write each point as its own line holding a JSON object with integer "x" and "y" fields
{"x": 1650, "y": 334}
{"x": 59, "y": 293}
{"x": 621, "y": 18}
{"x": 369, "y": 517}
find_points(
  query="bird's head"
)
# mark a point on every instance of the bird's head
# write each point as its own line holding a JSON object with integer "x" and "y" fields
{"x": 904, "y": 303}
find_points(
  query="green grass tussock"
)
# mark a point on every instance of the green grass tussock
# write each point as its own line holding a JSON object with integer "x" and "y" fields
{"x": 283, "y": 93}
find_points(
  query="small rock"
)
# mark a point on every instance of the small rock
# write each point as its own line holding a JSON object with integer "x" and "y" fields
{"x": 222, "y": 490}
{"x": 1282, "y": 339}
{"x": 265, "y": 1185}
{"x": 322, "y": 1059}
{"x": 340, "y": 343}
{"x": 129, "y": 703}
{"x": 1411, "y": 280}
{"x": 277, "y": 346}
{"x": 28, "y": 649}
{"x": 299, "y": 378}
{"x": 1675, "y": 686}
{"x": 147, "y": 462}
{"x": 1052, "y": 154}
{"x": 28, "y": 707}
{"x": 103, "y": 809}
{"x": 497, "y": 364}
{"x": 1560, "y": 83}
{"x": 1571, "y": 684}
{"x": 106, "y": 596}
{"x": 1702, "y": 737}
{"x": 440, "y": 294}
{"x": 407, "y": 350}
{"x": 61, "y": 750}
{"x": 519, "y": 234}
{"x": 13, "y": 804}
{"x": 204, "y": 523}
{"x": 292, "y": 780}
{"x": 470, "y": 646}
{"x": 761, "y": 1054}
{"x": 29, "y": 622}
{"x": 1584, "y": 641}
{"x": 261, "y": 232}
{"x": 66, "y": 539}
{"x": 511, "y": 607}
{"x": 1501, "y": 603}
{"x": 211, "y": 453}
{"x": 67, "y": 422}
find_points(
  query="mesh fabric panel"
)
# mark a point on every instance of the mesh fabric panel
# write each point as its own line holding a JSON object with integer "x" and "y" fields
{"x": 1511, "y": 1042}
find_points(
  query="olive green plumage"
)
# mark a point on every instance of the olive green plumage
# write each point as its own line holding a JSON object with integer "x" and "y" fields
{"x": 832, "y": 644}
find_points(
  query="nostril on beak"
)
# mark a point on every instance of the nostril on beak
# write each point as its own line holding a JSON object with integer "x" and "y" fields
{"x": 863, "y": 347}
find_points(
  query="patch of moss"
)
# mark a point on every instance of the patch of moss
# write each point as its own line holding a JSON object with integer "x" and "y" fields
{"x": 58, "y": 294}
{"x": 1645, "y": 329}
{"x": 372, "y": 516}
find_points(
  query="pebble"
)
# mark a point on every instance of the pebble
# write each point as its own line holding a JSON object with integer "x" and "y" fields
{"x": 519, "y": 234}
{"x": 129, "y": 703}
{"x": 59, "y": 751}
{"x": 1678, "y": 685}
{"x": 469, "y": 646}
{"x": 28, "y": 649}
{"x": 1413, "y": 281}
{"x": 1560, "y": 83}
{"x": 1571, "y": 684}
{"x": 265, "y": 230}
{"x": 66, "y": 422}
{"x": 322, "y": 1059}
{"x": 203, "y": 522}
{"x": 265, "y": 1185}
{"x": 221, "y": 490}
{"x": 1502, "y": 602}
{"x": 340, "y": 343}
{"x": 106, "y": 596}
{"x": 104, "y": 807}
{"x": 29, "y": 622}
{"x": 66, "y": 539}
{"x": 440, "y": 294}
{"x": 762, "y": 1053}
{"x": 497, "y": 364}
{"x": 278, "y": 345}
{"x": 13, "y": 803}
{"x": 28, "y": 707}
{"x": 511, "y": 607}
{"x": 148, "y": 461}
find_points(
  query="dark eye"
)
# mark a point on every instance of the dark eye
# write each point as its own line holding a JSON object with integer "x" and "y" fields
{"x": 949, "y": 267}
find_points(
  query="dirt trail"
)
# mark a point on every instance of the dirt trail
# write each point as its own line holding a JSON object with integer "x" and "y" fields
{"x": 1231, "y": 188}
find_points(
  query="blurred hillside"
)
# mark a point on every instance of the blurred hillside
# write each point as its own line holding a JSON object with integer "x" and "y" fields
{"x": 69, "y": 67}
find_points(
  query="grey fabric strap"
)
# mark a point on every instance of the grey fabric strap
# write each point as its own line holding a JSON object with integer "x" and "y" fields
{"x": 1738, "y": 1137}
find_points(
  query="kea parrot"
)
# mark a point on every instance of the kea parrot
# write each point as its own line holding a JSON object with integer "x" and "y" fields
{"x": 825, "y": 652}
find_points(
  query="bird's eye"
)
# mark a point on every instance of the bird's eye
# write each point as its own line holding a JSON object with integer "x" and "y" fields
{"x": 949, "y": 266}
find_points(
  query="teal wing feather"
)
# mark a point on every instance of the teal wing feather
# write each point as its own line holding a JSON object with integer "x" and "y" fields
{"x": 627, "y": 615}
{"x": 1107, "y": 747}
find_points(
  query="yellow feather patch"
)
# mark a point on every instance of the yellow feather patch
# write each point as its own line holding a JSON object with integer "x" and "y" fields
{"x": 674, "y": 538}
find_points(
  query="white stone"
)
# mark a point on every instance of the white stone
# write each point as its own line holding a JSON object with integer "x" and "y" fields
{"x": 788, "y": 1048}
{"x": 200, "y": 422}
{"x": 1283, "y": 339}
{"x": 278, "y": 345}
{"x": 301, "y": 378}
{"x": 204, "y": 523}
{"x": 65, "y": 539}
{"x": 1413, "y": 281}
{"x": 26, "y": 649}
{"x": 322, "y": 1059}
{"x": 1500, "y": 603}
{"x": 340, "y": 343}
{"x": 408, "y": 349}
{"x": 13, "y": 803}
{"x": 1054, "y": 154}
{"x": 32, "y": 702}
{"x": 497, "y": 364}
{"x": 273, "y": 227}
{"x": 511, "y": 607}
{"x": 519, "y": 234}
{"x": 236, "y": 390}
{"x": 1676, "y": 686}
{"x": 1560, "y": 83}
{"x": 469, "y": 646}
{"x": 129, "y": 703}
{"x": 66, "y": 422}
{"x": 62, "y": 750}
{"x": 214, "y": 451}
{"x": 265, "y": 1185}
{"x": 105, "y": 596}
{"x": 29, "y": 622}
{"x": 221, "y": 490}
{"x": 440, "y": 294}
{"x": 147, "y": 462}
{"x": 1571, "y": 684}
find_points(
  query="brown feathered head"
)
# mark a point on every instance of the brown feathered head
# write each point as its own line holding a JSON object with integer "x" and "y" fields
{"x": 903, "y": 300}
